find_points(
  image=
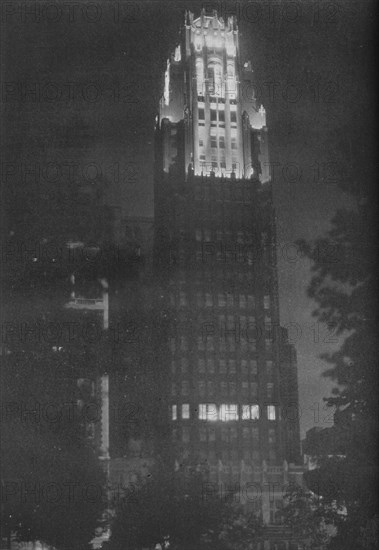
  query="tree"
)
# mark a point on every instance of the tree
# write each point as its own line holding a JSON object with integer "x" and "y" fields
{"x": 173, "y": 507}
{"x": 344, "y": 287}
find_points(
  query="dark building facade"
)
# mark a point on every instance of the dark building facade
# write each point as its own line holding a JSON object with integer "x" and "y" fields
{"x": 215, "y": 251}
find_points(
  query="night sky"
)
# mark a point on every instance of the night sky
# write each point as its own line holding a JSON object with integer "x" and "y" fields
{"x": 96, "y": 69}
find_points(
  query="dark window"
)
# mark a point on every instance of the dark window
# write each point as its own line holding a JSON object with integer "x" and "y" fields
{"x": 201, "y": 114}
{"x": 221, "y": 142}
{"x": 213, "y": 114}
{"x": 221, "y": 116}
{"x": 233, "y": 116}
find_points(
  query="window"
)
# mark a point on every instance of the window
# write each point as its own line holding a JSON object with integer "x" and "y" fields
{"x": 201, "y": 143}
{"x": 213, "y": 115}
{"x": 232, "y": 389}
{"x": 198, "y": 235}
{"x": 185, "y": 411}
{"x": 232, "y": 366}
{"x": 233, "y": 116}
{"x": 202, "y": 434}
{"x": 221, "y": 300}
{"x": 221, "y": 116}
{"x": 201, "y": 365}
{"x": 271, "y": 436}
{"x": 228, "y": 412}
{"x": 199, "y": 72}
{"x": 185, "y": 387}
{"x": 253, "y": 366}
{"x": 242, "y": 298}
{"x": 224, "y": 388}
{"x": 213, "y": 141}
{"x": 182, "y": 299}
{"x": 208, "y": 300}
{"x": 266, "y": 302}
{"x": 211, "y": 388}
{"x": 222, "y": 366}
{"x": 221, "y": 142}
{"x": 250, "y": 301}
{"x": 185, "y": 435}
{"x": 173, "y": 389}
{"x": 201, "y": 114}
{"x": 271, "y": 412}
{"x": 229, "y": 300}
{"x": 183, "y": 343}
{"x": 174, "y": 412}
{"x": 234, "y": 143}
{"x": 245, "y": 389}
{"x": 201, "y": 386}
{"x": 210, "y": 366}
{"x": 270, "y": 390}
{"x": 269, "y": 368}
{"x": 254, "y": 389}
{"x": 250, "y": 412}
{"x": 207, "y": 411}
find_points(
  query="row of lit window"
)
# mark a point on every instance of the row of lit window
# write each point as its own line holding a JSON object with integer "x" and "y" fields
{"x": 245, "y": 366}
{"x": 224, "y": 413}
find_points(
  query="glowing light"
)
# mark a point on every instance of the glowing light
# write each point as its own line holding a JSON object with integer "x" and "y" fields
{"x": 166, "y": 93}
{"x": 177, "y": 55}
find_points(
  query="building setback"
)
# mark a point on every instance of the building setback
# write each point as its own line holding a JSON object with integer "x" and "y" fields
{"x": 214, "y": 251}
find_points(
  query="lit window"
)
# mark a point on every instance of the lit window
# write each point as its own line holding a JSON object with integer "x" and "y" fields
{"x": 185, "y": 411}
{"x": 250, "y": 412}
{"x": 207, "y": 411}
{"x": 228, "y": 412}
{"x": 174, "y": 412}
{"x": 271, "y": 413}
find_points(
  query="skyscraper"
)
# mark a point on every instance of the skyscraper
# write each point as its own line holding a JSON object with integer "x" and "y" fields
{"x": 215, "y": 248}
